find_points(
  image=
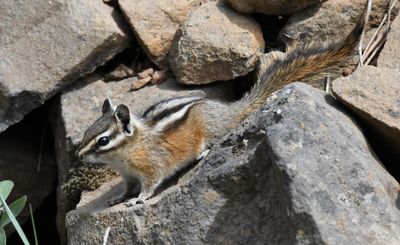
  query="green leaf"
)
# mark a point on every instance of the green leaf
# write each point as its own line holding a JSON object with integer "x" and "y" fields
{"x": 5, "y": 188}
{"x": 14, "y": 222}
{"x": 16, "y": 208}
{"x": 3, "y": 237}
{"x": 33, "y": 225}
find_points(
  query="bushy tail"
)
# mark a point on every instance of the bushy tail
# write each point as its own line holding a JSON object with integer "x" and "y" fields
{"x": 297, "y": 65}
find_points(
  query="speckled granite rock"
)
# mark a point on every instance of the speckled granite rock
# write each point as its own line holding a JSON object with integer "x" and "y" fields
{"x": 299, "y": 171}
{"x": 230, "y": 49}
{"x": 330, "y": 21}
{"x": 155, "y": 23}
{"x": 390, "y": 54}
{"x": 46, "y": 45}
{"x": 271, "y": 7}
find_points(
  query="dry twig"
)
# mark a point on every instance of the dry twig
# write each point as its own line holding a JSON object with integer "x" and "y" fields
{"x": 360, "y": 53}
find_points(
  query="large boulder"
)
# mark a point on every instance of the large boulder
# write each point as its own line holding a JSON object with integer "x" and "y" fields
{"x": 270, "y": 7}
{"x": 46, "y": 45}
{"x": 231, "y": 47}
{"x": 81, "y": 105}
{"x": 299, "y": 171}
{"x": 373, "y": 94}
{"x": 330, "y": 21}
{"x": 155, "y": 23}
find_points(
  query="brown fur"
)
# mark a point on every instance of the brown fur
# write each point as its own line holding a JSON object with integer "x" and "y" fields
{"x": 185, "y": 142}
{"x": 140, "y": 161}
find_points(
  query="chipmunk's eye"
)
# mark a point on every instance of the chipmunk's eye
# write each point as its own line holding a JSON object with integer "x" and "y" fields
{"x": 103, "y": 141}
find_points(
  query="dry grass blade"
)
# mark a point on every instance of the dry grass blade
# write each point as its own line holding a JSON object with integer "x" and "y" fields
{"x": 374, "y": 45}
{"x": 375, "y": 51}
{"x": 377, "y": 31}
{"x": 389, "y": 13}
{"x": 360, "y": 53}
{"x": 378, "y": 39}
{"x": 328, "y": 85}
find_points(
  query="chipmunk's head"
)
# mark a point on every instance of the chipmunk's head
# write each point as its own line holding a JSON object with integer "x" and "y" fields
{"x": 111, "y": 130}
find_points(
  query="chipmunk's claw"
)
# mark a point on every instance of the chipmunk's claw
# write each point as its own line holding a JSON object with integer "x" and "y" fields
{"x": 203, "y": 154}
{"x": 133, "y": 202}
{"x": 139, "y": 201}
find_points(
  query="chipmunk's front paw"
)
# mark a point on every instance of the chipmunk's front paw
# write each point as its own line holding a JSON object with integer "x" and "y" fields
{"x": 133, "y": 202}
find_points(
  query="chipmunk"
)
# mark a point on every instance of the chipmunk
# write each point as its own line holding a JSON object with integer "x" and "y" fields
{"x": 170, "y": 134}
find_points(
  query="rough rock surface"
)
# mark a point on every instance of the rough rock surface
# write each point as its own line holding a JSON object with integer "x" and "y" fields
{"x": 271, "y": 7}
{"x": 28, "y": 163}
{"x": 155, "y": 23}
{"x": 46, "y": 45}
{"x": 374, "y": 95}
{"x": 299, "y": 171}
{"x": 390, "y": 55}
{"x": 330, "y": 21}
{"x": 81, "y": 106}
{"x": 230, "y": 49}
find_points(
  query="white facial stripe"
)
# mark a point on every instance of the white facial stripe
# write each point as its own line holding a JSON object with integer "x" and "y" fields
{"x": 87, "y": 147}
{"x": 173, "y": 117}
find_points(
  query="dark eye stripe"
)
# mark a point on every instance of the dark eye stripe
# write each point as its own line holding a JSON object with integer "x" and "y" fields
{"x": 114, "y": 134}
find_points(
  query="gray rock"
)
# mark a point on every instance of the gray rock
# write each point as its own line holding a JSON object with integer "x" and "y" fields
{"x": 299, "y": 171}
{"x": 373, "y": 95}
{"x": 330, "y": 21}
{"x": 230, "y": 49}
{"x": 390, "y": 54}
{"x": 46, "y": 45}
{"x": 271, "y": 7}
{"x": 155, "y": 23}
{"x": 80, "y": 106}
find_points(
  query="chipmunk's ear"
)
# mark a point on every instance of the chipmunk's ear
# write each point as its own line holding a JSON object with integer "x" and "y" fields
{"x": 108, "y": 107}
{"x": 123, "y": 116}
